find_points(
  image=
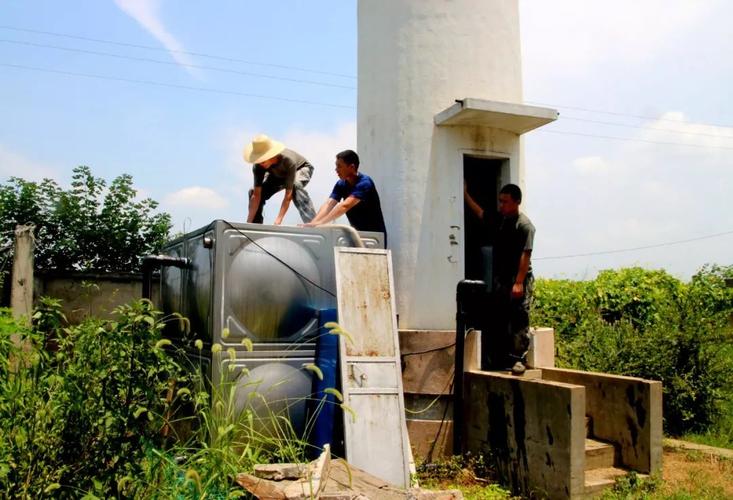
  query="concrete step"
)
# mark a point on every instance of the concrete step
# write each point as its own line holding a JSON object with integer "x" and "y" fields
{"x": 530, "y": 373}
{"x": 597, "y": 480}
{"x": 598, "y": 454}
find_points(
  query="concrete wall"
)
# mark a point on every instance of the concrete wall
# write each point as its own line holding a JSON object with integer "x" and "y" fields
{"x": 90, "y": 294}
{"x": 415, "y": 58}
{"x": 626, "y": 411}
{"x": 427, "y": 380}
{"x": 533, "y": 429}
{"x": 428, "y": 361}
{"x": 429, "y": 289}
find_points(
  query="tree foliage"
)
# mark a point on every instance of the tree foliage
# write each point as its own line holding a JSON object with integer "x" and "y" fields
{"x": 90, "y": 226}
{"x": 649, "y": 324}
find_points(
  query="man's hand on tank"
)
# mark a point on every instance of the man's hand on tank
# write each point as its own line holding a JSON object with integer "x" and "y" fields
{"x": 517, "y": 290}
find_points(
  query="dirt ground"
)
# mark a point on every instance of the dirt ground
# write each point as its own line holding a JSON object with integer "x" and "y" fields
{"x": 695, "y": 471}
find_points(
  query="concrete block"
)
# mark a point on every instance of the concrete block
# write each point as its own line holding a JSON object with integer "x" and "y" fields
{"x": 541, "y": 348}
{"x": 625, "y": 411}
{"x": 598, "y": 454}
{"x": 528, "y": 374}
{"x": 533, "y": 429}
{"x": 21, "y": 288}
{"x": 426, "y": 407}
{"x": 278, "y": 472}
{"x": 428, "y": 357}
{"x": 598, "y": 480}
{"x": 431, "y": 439}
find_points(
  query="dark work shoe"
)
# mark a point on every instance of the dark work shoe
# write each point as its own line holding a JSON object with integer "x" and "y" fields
{"x": 518, "y": 368}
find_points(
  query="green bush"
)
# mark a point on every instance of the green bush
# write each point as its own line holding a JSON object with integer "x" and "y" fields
{"x": 649, "y": 324}
{"x": 77, "y": 419}
{"x": 562, "y": 304}
{"x": 111, "y": 409}
{"x": 642, "y": 297}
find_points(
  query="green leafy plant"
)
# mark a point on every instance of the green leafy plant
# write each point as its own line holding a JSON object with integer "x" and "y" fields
{"x": 632, "y": 486}
{"x": 470, "y": 474}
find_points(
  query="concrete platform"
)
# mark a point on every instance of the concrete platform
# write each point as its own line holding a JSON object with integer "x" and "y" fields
{"x": 677, "y": 444}
{"x": 553, "y": 432}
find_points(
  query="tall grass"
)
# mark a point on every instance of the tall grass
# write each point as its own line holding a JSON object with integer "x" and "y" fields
{"x": 115, "y": 410}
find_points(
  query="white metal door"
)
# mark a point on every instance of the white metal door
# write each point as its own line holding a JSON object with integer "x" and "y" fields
{"x": 376, "y": 433}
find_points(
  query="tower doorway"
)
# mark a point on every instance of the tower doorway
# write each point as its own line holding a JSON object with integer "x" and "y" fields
{"x": 482, "y": 178}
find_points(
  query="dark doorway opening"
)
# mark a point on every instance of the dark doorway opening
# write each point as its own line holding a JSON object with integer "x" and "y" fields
{"x": 482, "y": 177}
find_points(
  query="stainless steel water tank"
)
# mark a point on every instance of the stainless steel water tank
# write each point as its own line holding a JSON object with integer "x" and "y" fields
{"x": 265, "y": 283}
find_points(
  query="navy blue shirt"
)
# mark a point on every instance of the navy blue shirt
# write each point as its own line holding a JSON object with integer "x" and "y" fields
{"x": 367, "y": 214}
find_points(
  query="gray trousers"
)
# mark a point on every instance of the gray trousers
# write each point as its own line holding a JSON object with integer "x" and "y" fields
{"x": 301, "y": 199}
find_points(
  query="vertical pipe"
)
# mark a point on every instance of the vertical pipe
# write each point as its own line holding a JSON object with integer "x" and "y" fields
{"x": 465, "y": 296}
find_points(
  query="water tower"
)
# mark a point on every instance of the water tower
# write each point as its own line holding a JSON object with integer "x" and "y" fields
{"x": 440, "y": 92}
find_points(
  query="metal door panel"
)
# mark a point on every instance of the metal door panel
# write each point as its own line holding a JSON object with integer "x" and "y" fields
{"x": 376, "y": 433}
{"x": 371, "y": 375}
{"x": 377, "y": 421}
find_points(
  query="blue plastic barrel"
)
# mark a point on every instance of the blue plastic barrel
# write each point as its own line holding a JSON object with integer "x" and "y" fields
{"x": 322, "y": 407}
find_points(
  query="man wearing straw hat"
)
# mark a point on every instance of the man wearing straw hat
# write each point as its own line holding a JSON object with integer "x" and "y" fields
{"x": 275, "y": 168}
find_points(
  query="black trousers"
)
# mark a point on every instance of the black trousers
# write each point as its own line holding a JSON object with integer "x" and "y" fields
{"x": 505, "y": 326}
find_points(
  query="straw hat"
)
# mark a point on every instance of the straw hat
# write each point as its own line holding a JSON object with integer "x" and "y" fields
{"x": 262, "y": 148}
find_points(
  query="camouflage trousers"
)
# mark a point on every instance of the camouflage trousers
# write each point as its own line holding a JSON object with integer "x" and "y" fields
{"x": 505, "y": 328}
{"x": 301, "y": 199}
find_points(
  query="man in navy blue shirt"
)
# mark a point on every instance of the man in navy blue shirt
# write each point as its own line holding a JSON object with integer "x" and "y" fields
{"x": 354, "y": 195}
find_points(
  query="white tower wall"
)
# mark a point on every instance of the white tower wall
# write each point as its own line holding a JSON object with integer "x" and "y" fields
{"x": 415, "y": 58}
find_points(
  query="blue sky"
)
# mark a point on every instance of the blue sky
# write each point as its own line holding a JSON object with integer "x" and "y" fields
{"x": 662, "y": 69}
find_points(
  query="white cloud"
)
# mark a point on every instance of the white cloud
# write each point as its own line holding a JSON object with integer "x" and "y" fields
{"x": 571, "y": 36}
{"x": 321, "y": 147}
{"x": 673, "y": 126}
{"x": 14, "y": 164}
{"x": 647, "y": 194}
{"x": 146, "y": 13}
{"x": 196, "y": 197}
{"x": 195, "y": 206}
{"x": 591, "y": 165}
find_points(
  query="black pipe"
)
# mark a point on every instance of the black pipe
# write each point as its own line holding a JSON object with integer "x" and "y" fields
{"x": 152, "y": 262}
{"x": 467, "y": 293}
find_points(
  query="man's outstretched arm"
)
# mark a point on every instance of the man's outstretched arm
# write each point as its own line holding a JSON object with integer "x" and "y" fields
{"x": 475, "y": 207}
{"x": 322, "y": 212}
{"x": 254, "y": 203}
{"x": 284, "y": 206}
{"x": 334, "y": 212}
